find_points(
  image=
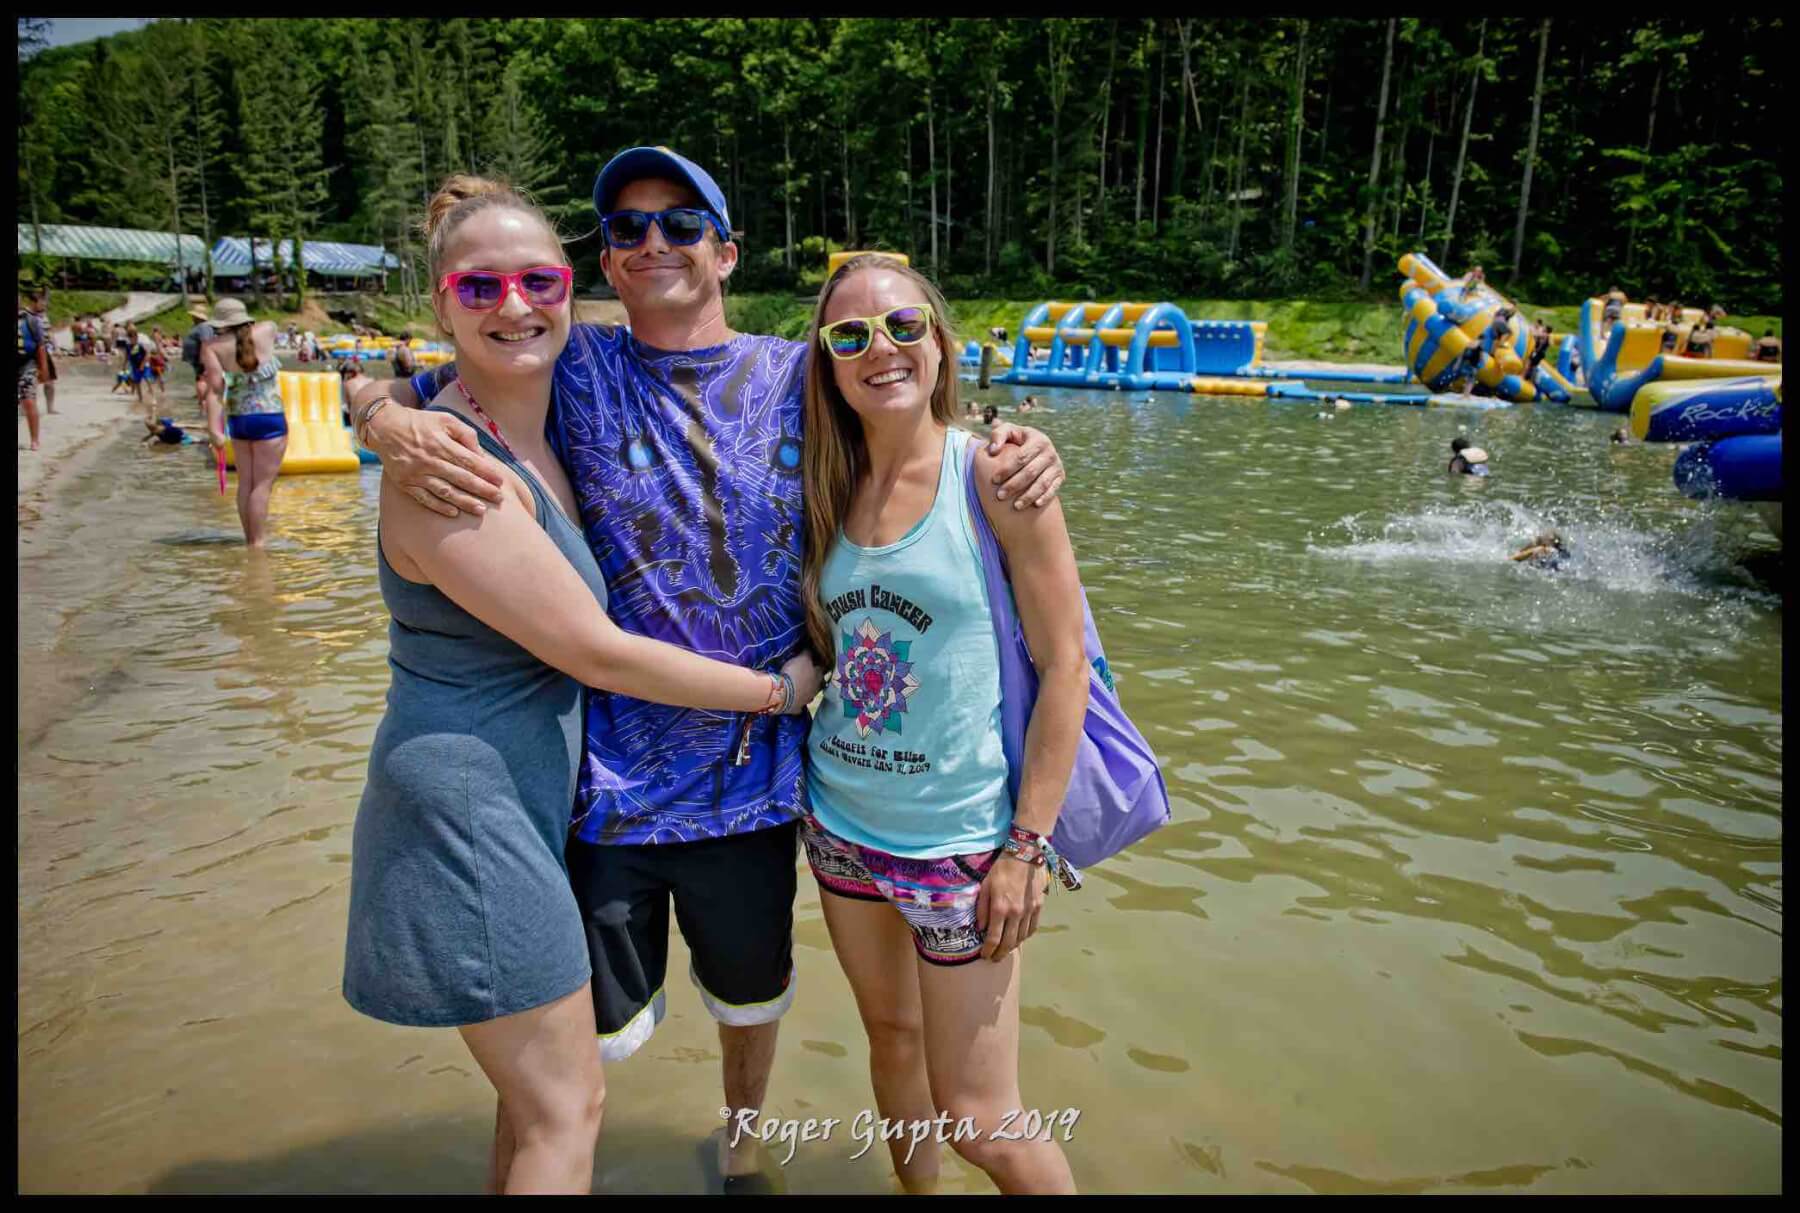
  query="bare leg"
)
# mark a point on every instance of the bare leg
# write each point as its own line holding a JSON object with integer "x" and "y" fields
{"x": 29, "y": 404}
{"x": 547, "y": 1071}
{"x": 244, "y": 455}
{"x": 262, "y": 484}
{"x": 749, "y": 1057}
{"x": 874, "y": 946}
{"x": 505, "y": 1146}
{"x": 972, "y": 1055}
{"x": 50, "y": 397}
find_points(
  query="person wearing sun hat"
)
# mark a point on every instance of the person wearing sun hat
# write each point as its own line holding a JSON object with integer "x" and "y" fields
{"x": 199, "y": 335}
{"x": 681, "y": 439}
{"x": 240, "y": 356}
{"x": 1467, "y": 459}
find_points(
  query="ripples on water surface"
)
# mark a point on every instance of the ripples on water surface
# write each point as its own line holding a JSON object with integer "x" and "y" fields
{"x": 1474, "y": 882}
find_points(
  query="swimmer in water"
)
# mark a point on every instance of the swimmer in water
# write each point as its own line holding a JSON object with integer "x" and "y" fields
{"x": 1466, "y": 459}
{"x": 1547, "y": 551}
{"x": 1621, "y": 436}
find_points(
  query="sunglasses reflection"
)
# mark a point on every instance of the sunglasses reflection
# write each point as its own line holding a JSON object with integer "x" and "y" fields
{"x": 908, "y": 324}
{"x": 681, "y": 225}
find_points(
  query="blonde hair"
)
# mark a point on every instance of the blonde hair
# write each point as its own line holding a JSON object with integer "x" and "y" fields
{"x": 460, "y": 196}
{"x": 834, "y": 453}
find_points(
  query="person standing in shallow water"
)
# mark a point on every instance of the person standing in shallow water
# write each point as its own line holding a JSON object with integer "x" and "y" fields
{"x": 461, "y": 912}
{"x": 930, "y": 877}
{"x": 243, "y": 379}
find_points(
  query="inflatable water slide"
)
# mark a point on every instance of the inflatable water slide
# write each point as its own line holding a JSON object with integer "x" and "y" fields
{"x": 1444, "y": 340}
{"x": 1154, "y": 347}
{"x": 318, "y": 439}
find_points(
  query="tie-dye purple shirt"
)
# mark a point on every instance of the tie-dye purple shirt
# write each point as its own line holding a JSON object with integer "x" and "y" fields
{"x": 687, "y": 469}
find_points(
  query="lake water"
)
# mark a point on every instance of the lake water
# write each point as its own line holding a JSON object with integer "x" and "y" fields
{"x": 1474, "y": 882}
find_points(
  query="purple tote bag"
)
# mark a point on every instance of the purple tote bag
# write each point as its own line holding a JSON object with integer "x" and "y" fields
{"x": 1116, "y": 793}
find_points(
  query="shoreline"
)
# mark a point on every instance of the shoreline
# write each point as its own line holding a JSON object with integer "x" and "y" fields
{"x": 73, "y": 438}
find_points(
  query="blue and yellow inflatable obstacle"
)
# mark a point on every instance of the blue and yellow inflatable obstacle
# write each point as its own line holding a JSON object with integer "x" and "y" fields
{"x": 971, "y": 357}
{"x": 1445, "y": 319}
{"x": 1631, "y": 357}
{"x": 1155, "y": 347}
{"x": 1738, "y": 423}
{"x": 318, "y": 440}
{"x": 1744, "y": 468}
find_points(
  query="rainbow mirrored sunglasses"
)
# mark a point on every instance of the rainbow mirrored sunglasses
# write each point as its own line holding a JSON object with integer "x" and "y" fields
{"x": 851, "y": 337}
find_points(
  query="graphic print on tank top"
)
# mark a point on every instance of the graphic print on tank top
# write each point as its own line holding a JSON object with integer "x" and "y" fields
{"x": 877, "y": 678}
{"x": 878, "y": 673}
{"x": 906, "y": 751}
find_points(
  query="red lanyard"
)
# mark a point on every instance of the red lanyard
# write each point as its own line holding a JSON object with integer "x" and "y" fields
{"x": 481, "y": 413}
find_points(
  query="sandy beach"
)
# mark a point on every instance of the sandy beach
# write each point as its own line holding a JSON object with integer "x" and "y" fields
{"x": 87, "y": 414}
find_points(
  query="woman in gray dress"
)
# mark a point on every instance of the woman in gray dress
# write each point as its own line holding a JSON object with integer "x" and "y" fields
{"x": 461, "y": 912}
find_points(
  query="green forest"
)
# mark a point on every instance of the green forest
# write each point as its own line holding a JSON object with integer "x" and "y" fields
{"x": 1018, "y": 158}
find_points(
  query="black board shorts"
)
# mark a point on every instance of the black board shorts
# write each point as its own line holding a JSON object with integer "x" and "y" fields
{"x": 734, "y": 902}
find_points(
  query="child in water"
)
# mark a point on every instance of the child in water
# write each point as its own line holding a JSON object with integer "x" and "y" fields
{"x": 164, "y": 430}
{"x": 1547, "y": 551}
{"x": 1466, "y": 459}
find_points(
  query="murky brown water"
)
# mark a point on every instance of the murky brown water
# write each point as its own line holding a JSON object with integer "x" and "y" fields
{"x": 1475, "y": 882}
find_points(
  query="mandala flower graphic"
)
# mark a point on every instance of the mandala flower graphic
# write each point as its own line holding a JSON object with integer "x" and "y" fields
{"x": 875, "y": 678}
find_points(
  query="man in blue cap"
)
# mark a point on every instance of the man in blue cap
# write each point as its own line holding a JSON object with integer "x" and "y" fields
{"x": 682, "y": 441}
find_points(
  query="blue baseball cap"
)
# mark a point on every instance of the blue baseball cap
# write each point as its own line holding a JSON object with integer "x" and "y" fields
{"x": 636, "y": 163}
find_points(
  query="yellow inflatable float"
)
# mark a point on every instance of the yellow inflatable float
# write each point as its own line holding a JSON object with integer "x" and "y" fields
{"x": 318, "y": 440}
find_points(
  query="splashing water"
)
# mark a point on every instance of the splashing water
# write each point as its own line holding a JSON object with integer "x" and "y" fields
{"x": 1606, "y": 550}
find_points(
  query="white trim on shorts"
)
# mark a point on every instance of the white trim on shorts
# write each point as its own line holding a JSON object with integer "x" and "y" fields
{"x": 747, "y": 1015}
{"x": 617, "y": 1046}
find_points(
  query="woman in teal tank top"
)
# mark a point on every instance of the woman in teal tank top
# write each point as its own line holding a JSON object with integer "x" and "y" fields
{"x": 930, "y": 876}
{"x": 461, "y": 912}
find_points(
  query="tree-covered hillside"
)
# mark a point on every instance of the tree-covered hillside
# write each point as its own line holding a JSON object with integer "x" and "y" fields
{"x": 1095, "y": 156}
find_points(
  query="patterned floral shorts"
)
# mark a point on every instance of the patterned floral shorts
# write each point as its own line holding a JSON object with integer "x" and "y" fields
{"x": 936, "y": 897}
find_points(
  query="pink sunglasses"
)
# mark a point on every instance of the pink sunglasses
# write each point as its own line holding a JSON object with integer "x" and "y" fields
{"x": 484, "y": 290}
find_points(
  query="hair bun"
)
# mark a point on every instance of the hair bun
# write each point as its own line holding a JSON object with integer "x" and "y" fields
{"x": 459, "y": 188}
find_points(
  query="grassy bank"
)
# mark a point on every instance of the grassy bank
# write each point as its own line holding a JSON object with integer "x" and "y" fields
{"x": 66, "y": 305}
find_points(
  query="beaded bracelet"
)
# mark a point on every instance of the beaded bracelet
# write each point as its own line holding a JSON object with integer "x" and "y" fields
{"x": 787, "y": 693}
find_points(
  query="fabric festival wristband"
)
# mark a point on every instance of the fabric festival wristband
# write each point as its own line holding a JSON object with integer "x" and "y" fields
{"x": 1023, "y": 853}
